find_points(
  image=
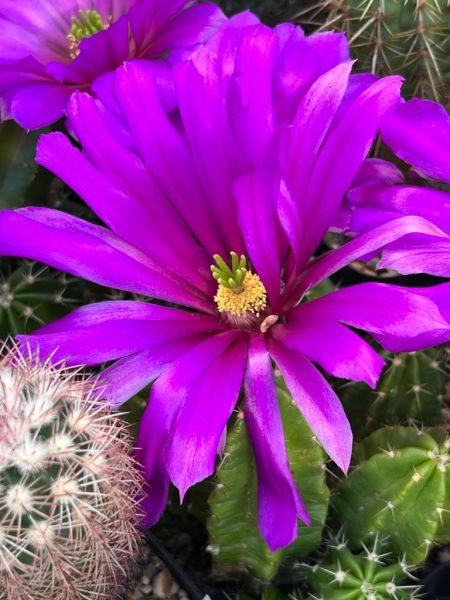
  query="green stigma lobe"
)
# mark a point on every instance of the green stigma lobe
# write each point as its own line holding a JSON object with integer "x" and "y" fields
{"x": 230, "y": 277}
{"x": 87, "y": 24}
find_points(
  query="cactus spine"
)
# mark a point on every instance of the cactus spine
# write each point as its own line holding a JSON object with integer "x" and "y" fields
{"x": 68, "y": 518}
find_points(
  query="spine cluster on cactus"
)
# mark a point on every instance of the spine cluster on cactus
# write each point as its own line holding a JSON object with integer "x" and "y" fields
{"x": 408, "y": 37}
{"x": 369, "y": 575}
{"x": 68, "y": 486}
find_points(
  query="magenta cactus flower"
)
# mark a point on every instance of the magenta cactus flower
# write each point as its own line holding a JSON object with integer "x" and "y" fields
{"x": 215, "y": 208}
{"x": 50, "y": 49}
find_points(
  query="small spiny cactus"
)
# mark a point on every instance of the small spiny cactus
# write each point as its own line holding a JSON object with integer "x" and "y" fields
{"x": 68, "y": 483}
{"x": 368, "y": 575}
{"x": 401, "y": 488}
{"x": 406, "y": 37}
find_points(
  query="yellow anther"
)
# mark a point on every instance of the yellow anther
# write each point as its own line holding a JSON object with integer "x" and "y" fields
{"x": 249, "y": 297}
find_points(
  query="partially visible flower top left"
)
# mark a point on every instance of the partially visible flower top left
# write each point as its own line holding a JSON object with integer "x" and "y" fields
{"x": 49, "y": 49}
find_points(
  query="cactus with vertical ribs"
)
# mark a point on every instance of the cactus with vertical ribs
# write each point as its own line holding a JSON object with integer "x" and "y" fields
{"x": 410, "y": 391}
{"x": 400, "y": 488}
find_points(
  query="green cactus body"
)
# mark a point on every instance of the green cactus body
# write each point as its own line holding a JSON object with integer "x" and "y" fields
{"x": 33, "y": 295}
{"x": 407, "y": 37}
{"x": 365, "y": 576}
{"x": 400, "y": 488}
{"x": 235, "y": 542}
{"x": 68, "y": 518}
{"x": 409, "y": 391}
{"x": 17, "y": 165}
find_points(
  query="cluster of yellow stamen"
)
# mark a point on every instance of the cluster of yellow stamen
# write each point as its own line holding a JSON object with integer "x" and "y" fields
{"x": 87, "y": 24}
{"x": 239, "y": 291}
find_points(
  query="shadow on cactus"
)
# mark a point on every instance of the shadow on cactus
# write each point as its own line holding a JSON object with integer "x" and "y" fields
{"x": 68, "y": 514}
{"x": 17, "y": 166}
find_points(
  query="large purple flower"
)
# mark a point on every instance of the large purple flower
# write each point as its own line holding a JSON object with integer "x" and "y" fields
{"x": 49, "y": 49}
{"x": 244, "y": 176}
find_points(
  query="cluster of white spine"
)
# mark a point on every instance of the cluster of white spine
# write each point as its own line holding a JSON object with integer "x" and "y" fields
{"x": 68, "y": 483}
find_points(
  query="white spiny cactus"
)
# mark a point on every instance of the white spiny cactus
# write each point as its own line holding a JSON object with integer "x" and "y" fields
{"x": 68, "y": 483}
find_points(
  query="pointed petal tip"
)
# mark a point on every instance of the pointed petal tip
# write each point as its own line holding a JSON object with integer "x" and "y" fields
{"x": 343, "y": 460}
{"x": 78, "y": 100}
{"x": 304, "y": 516}
{"x": 286, "y": 530}
{"x": 182, "y": 490}
{"x": 374, "y": 376}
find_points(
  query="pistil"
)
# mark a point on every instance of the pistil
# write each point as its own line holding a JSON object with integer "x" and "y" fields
{"x": 240, "y": 292}
{"x": 87, "y": 24}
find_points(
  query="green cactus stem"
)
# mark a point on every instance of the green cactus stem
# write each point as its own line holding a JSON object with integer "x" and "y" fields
{"x": 17, "y": 165}
{"x": 32, "y": 295}
{"x": 410, "y": 391}
{"x": 401, "y": 488}
{"x": 236, "y": 546}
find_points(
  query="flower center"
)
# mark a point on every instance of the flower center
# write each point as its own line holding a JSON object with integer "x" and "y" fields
{"x": 239, "y": 291}
{"x": 87, "y": 24}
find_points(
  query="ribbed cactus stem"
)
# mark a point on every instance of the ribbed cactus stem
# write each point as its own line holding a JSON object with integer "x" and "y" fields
{"x": 401, "y": 488}
{"x": 410, "y": 391}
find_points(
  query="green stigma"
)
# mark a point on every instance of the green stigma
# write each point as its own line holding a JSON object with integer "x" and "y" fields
{"x": 87, "y": 24}
{"x": 240, "y": 292}
{"x": 230, "y": 277}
